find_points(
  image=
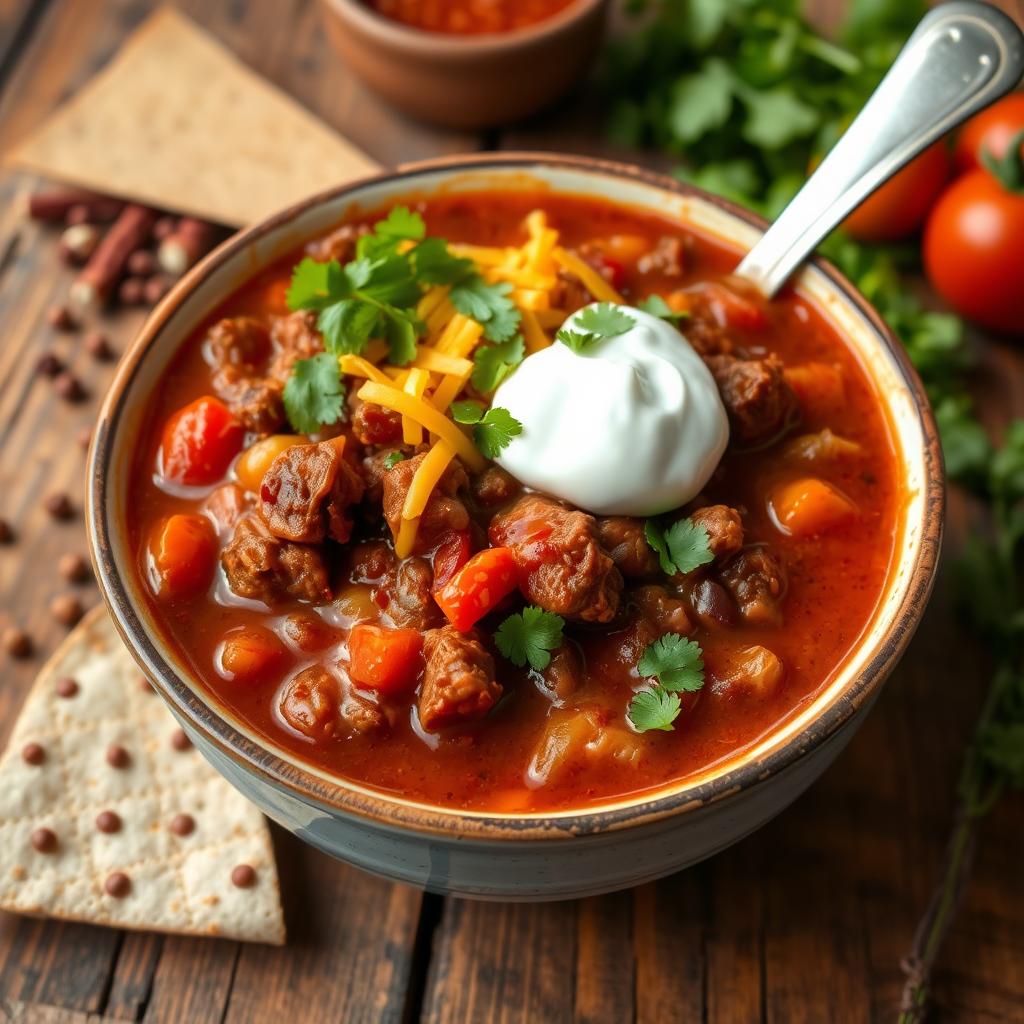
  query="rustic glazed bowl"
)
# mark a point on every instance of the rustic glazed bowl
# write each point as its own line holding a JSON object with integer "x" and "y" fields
{"x": 527, "y": 856}
{"x": 473, "y": 81}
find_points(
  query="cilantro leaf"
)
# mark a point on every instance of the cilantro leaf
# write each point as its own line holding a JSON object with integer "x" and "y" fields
{"x": 347, "y": 326}
{"x": 655, "y": 708}
{"x": 436, "y": 265}
{"x": 495, "y": 431}
{"x": 392, "y": 459}
{"x": 467, "y": 412}
{"x": 598, "y": 322}
{"x": 402, "y": 224}
{"x": 313, "y": 394}
{"x": 487, "y": 304}
{"x": 677, "y": 663}
{"x": 401, "y": 328}
{"x": 311, "y": 284}
{"x": 530, "y": 636}
{"x": 657, "y": 306}
{"x": 578, "y": 341}
{"x": 683, "y": 547}
{"x": 493, "y": 363}
{"x": 701, "y": 101}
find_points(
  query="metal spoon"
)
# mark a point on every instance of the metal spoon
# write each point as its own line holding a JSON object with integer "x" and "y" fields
{"x": 961, "y": 57}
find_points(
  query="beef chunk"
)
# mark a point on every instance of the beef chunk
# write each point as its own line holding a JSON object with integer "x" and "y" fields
{"x": 339, "y": 245}
{"x": 667, "y": 257}
{"x": 623, "y": 538}
{"x": 362, "y": 716}
{"x": 756, "y": 580}
{"x": 265, "y": 568}
{"x": 724, "y": 526}
{"x": 458, "y": 681}
{"x": 445, "y": 510}
{"x": 562, "y": 566}
{"x": 375, "y": 466}
{"x": 310, "y": 703}
{"x": 411, "y": 600}
{"x": 712, "y": 605}
{"x": 494, "y": 486}
{"x": 751, "y": 672}
{"x": 563, "y": 675}
{"x": 373, "y": 424}
{"x": 226, "y": 506}
{"x": 241, "y": 341}
{"x": 756, "y": 395}
{"x": 295, "y": 337}
{"x": 370, "y": 561}
{"x": 307, "y": 491}
{"x": 257, "y": 402}
{"x": 666, "y": 612}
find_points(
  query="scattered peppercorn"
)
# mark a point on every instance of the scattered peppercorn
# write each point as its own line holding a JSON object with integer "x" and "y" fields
{"x": 17, "y": 643}
{"x": 49, "y": 365}
{"x": 156, "y": 288}
{"x": 59, "y": 318}
{"x": 78, "y": 214}
{"x": 59, "y": 505}
{"x": 97, "y": 345}
{"x": 74, "y": 568}
{"x": 142, "y": 263}
{"x": 131, "y": 291}
{"x": 6, "y": 532}
{"x": 68, "y": 386}
{"x": 66, "y": 609}
{"x": 163, "y": 227}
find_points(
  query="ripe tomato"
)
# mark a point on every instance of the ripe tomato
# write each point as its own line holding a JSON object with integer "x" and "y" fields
{"x": 199, "y": 442}
{"x": 900, "y": 206}
{"x": 183, "y": 553}
{"x": 991, "y": 131}
{"x": 974, "y": 250}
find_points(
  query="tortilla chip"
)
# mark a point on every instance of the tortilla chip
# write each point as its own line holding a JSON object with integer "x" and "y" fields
{"x": 57, "y": 774}
{"x": 178, "y": 122}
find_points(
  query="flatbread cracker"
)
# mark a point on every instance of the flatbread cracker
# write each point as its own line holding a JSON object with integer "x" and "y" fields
{"x": 92, "y": 738}
{"x": 176, "y": 121}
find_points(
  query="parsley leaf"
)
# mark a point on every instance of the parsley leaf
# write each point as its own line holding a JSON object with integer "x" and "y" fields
{"x": 495, "y": 431}
{"x": 313, "y": 394}
{"x": 392, "y": 459}
{"x": 487, "y": 304}
{"x": 655, "y": 708}
{"x": 657, "y": 306}
{"x": 598, "y": 322}
{"x": 493, "y": 363}
{"x": 677, "y": 663}
{"x": 530, "y": 637}
{"x": 683, "y": 547}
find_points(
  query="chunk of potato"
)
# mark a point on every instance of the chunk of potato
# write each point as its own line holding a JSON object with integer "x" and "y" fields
{"x": 254, "y": 462}
{"x": 580, "y": 737}
{"x": 809, "y": 506}
{"x": 823, "y": 446}
{"x": 752, "y": 672}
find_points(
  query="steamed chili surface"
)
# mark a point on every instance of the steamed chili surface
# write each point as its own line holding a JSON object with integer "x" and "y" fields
{"x": 832, "y": 580}
{"x": 469, "y": 17}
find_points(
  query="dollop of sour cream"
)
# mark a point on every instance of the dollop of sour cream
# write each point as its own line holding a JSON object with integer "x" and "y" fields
{"x": 634, "y": 425}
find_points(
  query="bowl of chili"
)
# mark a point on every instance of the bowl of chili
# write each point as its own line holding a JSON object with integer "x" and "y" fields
{"x": 463, "y": 64}
{"x": 501, "y": 695}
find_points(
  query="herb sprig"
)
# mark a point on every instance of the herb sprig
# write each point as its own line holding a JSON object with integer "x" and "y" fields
{"x": 677, "y": 666}
{"x": 492, "y": 430}
{"x": 683, "y": 547}
{"x": 529, "y": 637}
{"x": 598, "y": 322}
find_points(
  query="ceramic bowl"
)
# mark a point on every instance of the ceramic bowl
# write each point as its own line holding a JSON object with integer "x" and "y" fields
{"x": 467, "y": 81}
{"x": 528, "y": 856}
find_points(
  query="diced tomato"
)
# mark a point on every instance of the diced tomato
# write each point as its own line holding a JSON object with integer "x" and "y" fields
{"x": 732, "y": 309}
{"x": 250, "y": 654}
{"x": 613, "y": 271}
{"x": 184, "y": 554}
{"x": 479, "y": 586}
{"x": 451, "y": 555}
{"x": 387, "y": 660}
{"x": 199, "y": 442}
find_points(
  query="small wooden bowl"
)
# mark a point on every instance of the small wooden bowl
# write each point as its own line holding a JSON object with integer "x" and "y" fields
{"x": 467, "y": 81}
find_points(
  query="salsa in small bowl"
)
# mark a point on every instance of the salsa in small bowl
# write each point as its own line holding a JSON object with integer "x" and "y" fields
{"x": 474, "y": 507}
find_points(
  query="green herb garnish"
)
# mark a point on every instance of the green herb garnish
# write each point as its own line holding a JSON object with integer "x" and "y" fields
{"x": 314, "y": 394}
{"x": 683, "y": 547}
{"x": 530, "y": 636}
{"x": 492, "y": 430}
{"x": 657, "y": 306}
{"x": 598, "y": 322}
{"x": 493, "y": 363}
{"x": 392, "y": 459}
{"x": 677, "y": 666}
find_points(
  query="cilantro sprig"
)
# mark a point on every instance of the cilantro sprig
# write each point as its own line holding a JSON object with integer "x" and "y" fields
{"x": 676, "y": 665}
{"x": 493, "y": 363}
{"x": 597, "y": 323}
{"x": 492, "y": 430}
{"x": 314, "y": 394}
{"x": 657, "y": 306}
{"x": 683, "y": 547}
{"x": 529, "y": 637}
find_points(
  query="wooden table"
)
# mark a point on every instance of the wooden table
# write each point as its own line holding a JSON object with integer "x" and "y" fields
{"x": 805, "y": 921}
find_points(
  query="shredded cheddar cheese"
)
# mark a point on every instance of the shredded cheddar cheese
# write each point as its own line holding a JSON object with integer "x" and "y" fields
{"x": 406, "y": 539}
{"x": 415, "y": 384}
{"x": 584, "y": 272}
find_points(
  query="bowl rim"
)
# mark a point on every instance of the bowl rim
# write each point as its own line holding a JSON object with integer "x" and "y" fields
{"x": 410, "y": 40}
{"x": 336, "y": 795}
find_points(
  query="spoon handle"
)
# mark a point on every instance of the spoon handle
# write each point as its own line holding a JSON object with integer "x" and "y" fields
{"x": 961, "y": 57}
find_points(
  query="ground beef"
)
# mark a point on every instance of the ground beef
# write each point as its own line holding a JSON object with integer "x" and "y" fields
{"x": 373, "y": 424}
{"x": 310, "y": 702}
{"x": 756, "y": 580}
{"x": 494, "y": 486}
{"x": 265, "y": 568}
{"x": 667, "y": 257}
{"x": 706, "y": 335}
{"x": 339, "y": 245}
{"x": 756, "y": 395}
{"x": 294, "y": 337}
{"x": 665, "y": 611}
{"x": 623, "y": 538}
{"x": 306, "y": 493}
{"x": 563, "y": 568}
{"x": 458, "y": 680}
{"x": 445, "y": 509}
{"x": 724, "y": 526}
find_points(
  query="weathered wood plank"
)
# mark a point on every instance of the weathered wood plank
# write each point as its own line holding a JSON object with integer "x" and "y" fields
{"x": 605, "y": 979}
{"x": 132, "y": 982}
{"x": 192, "y": 981}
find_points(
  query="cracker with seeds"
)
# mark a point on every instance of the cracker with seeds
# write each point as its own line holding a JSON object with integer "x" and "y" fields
{"x": 109, "y": 815}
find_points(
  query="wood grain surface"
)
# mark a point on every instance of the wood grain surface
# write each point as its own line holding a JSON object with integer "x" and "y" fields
{"x": 804, "y": 921}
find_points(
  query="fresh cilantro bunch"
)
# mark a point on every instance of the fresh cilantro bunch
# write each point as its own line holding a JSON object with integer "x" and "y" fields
{"x": 598, "y": 322}
{"x": 492, "y": 430}
{"x": 529, "y": 637}
{"x": 375, "y": 296}
{"x": 493, "y": 363}
{"x": 677, "y": 666}
{"x": 683, "y": 547}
